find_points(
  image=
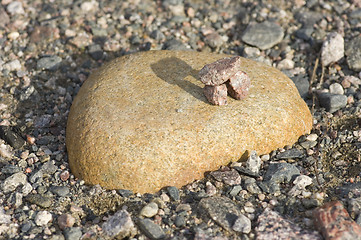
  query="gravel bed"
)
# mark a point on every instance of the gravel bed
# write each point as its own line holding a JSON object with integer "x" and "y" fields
{"x": 49, "y": 48}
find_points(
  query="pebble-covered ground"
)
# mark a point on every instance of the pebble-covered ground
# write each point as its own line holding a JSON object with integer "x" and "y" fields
{"x": 49, "y": 48}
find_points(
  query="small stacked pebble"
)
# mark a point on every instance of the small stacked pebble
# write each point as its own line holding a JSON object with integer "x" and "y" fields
{"x": 308, "y": 190}
{"x": 224, "y": 76}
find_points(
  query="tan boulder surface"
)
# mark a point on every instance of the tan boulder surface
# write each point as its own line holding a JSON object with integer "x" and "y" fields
{"x": 142, "y": 122}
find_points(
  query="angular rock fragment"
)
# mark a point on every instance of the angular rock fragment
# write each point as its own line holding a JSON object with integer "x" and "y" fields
{"x": 238, "y": 85}
{"x": 220, "y": 71}
{"x": 216, "y": 95}
{"x": 334, "y": 222}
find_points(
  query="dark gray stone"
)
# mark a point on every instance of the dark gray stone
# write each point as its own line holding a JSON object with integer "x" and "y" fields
{"x": 281, "y": 172}
{"x": 61, "y": 191}
{"x": 150, "y": 229}
{"x": 51, "y": 63}
{"x": 332, "y": 102}
{"x": 96, "y": 52}
{"x": 353, "y": 53}
{"x": 356, "y": 13}
{"x": 125, "y": 193}
{"x": 247, "y": 172}
{"x": 302, "y": 84}
{"x": 263, "y": 35}
{"x": 269, "y": 187}
{"x": 157, "y": 35}
{"x": 12, "y": 137}
{"x": 49, "y": 168}
{"x": 222, "y": 210}
{"x": 174, "y": 44}
{"x": 305, "y": 33}
{"x": 10, "y": 169}
{"x": 291, "y": 153}
{"x": 173, "y": 193}
{"x": 179, "y": 221}
{"x": 40, "y": 200}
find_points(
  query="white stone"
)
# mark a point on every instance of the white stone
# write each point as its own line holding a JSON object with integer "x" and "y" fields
{"x": 43, "y": 218}
{"x": 301, "y": 182}
{"x": 286, "y": 64}
{"x": 242, "y": 224}
{"x": 13, "y": 65}
{"x": 312, "y": 137}
{"x": 15, "y": 8}
{"x": 253, "y": 162}
{"x": 12, "y": 182}
{"x": 336, "y": 88}
{"x": 333, "y": 49}
{"x": 149, "y": 210}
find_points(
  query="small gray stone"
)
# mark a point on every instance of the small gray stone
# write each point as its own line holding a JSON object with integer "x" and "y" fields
{"x": 332, "y": 102}
{"x": 332, "y": 49}
{"x": 149, "y": 210}
{"x": 242, "y": 224}
{"x": 73, "y": 233}
{"x": 157, "y": 35}
{"x": 49, "y": 168}
{"x": 251, "y": 186}
{"x": 49, "y": 63}
{"x": 150, "y": 229}
{"x": 281, "y": 172}
{"x": 302, "y": 84}
{"x": 291, "y": 153}
{"x": 353, "y": 53}
{"x": 217, "y": 95}
{"x": 120, "y": 225}
{"x": 235, "y": 190}
{"x": 228, "y": 177}
{"x": 12, "y": 182}
{"x": 253, "y": 162}
{"x": 173, "y": 193}
{"x": 61, "y": 191}
{"x": 174, "y": 44}
{"x": 42, "y": 201}
{"x": 179, "y": 221}
{"x": 269, "y": 187}
{"x": 222, "y": 210}
{"x": 263, "y": 35}
{"x": 354, "y": 207}
{"x": 96, "y": 52}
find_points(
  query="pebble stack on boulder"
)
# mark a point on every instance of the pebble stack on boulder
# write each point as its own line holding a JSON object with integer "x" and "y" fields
{"x": 142, "y": 122}
{"x": 222, "y": 75}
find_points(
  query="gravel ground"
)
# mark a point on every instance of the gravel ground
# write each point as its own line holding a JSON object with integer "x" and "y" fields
{"x": 49, "y": 48}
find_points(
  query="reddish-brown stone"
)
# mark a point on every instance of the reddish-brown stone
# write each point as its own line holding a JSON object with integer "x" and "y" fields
{"x": 334, "y": 222}
{"x": 238, "y": 85}
{"x": 217, "y": 95}
{"x": 220, "y": 71}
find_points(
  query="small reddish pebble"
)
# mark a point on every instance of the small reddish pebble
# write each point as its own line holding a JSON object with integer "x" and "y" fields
{"x": 334, "y": 222}
{"x": 30, "y": 139}
{"x": 64, "y": 175}
{"x": 65, "y": 221}
{"x": 217, "y": 95}
{"x": 28, "y": 170}
{"x": 220, "y": 71}
{"x": 238, "y": 85}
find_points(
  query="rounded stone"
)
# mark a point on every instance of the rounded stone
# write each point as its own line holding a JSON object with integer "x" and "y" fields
{"x": 141, "y": 122}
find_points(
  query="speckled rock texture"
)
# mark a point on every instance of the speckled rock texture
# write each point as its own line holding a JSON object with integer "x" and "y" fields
{"x": 142, "y": 122}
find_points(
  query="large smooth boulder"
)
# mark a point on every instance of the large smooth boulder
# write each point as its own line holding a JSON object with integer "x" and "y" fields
{"x": 142, "y": 122}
